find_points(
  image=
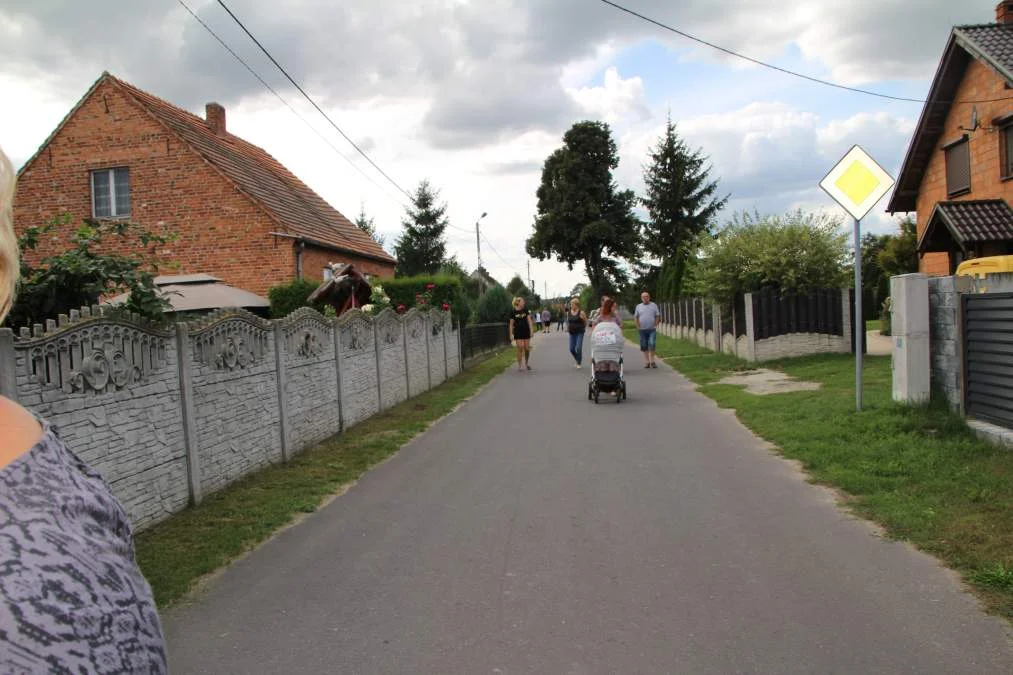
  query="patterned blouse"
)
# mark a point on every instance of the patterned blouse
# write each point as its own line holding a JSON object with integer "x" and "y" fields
{"x": 72, "y": 599}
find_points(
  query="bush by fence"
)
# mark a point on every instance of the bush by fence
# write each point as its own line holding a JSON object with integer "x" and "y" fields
{"x": 168, "y": 415}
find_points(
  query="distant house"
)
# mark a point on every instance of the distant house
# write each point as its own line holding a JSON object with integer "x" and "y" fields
{"x": 240, "y": 215}
{"x": 958, "y": 172}
{"x": 483, "y": 279}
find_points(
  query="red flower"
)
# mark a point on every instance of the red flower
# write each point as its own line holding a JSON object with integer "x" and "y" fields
{"x": 446, "y": 307}
{"x": 430, "y": 287}
{"x": 400, "y": 309}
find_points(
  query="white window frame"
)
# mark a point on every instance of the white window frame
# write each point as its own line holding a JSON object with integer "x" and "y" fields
{"x": 110, "y": 174}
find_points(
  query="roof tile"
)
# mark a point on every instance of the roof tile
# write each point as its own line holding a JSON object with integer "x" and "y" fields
{"x": 297, "y": 208}
{"x": 978, "y": 221}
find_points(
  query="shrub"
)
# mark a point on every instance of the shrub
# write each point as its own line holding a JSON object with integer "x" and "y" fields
{"x": 494, "y": 306}
{"x": 426, "y": 292}
{"x": 289, "y": 297}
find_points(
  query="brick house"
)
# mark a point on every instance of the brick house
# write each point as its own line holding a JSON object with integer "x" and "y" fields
{"x": 958, "y": 171}
{"x": 240, "y": 215}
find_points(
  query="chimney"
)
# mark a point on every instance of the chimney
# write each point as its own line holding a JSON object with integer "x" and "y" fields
{"x": 214, "y": 113}
{"x": 1004, "y": 12}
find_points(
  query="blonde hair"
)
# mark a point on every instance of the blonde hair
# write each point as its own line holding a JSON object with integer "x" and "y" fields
{"x": 574, "y": 302}
{"x": 517, "y": 302}
{"x": 10, "y": 269}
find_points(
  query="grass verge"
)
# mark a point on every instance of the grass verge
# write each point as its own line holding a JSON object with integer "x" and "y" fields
{"x": 917, "y": 471}
{"x": 179, "y": 551}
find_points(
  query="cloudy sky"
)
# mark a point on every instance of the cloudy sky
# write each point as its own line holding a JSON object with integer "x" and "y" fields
{"x": 474, "y": 94}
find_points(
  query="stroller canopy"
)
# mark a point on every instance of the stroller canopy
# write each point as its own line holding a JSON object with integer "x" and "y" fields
{"x": 607, "y": 342}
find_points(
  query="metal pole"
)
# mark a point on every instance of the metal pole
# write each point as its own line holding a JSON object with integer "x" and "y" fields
{"x": 858, "y": 330}
{"x": 478, "y": 240}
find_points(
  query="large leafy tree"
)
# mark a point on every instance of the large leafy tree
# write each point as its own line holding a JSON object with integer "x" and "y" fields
{"x": 682, "y": 203}
{"x": 421, "y": 248}
{"x": 88, "y": 270}
{"x": 583, "y": 217}
{"x": 793, "y": 253}
{"x": 900, "y": 253}
{"x": 517, "y": 288}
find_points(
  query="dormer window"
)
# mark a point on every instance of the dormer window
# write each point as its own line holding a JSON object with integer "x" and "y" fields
{"x": 958, "y": 167}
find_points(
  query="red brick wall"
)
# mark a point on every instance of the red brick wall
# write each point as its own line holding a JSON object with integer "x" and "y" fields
{"x": 221, "y": 231}
{"x": 315, "y": 259}
{"x": 980, "y": 83}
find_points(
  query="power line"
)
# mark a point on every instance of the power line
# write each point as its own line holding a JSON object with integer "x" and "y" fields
{"x": 308, "y": 98}
{"x": 280, "y": 97}
{"x": 502, "y": 259}
{"x": 779, "y": 68}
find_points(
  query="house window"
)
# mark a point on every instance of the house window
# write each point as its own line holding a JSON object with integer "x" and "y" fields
{"x": 958, "y": 167}
{"x": 1006, "y": 151}
{"x": 110, "y": 193}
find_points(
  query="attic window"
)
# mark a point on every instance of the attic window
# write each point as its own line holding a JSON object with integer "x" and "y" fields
{"x": 958, "y": 167}
{"x": 110, "y": 193}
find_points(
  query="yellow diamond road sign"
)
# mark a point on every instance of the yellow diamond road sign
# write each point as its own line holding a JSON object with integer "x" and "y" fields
{"x": 857, "y": 182}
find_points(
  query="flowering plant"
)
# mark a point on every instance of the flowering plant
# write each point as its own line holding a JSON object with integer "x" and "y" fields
{"x": 378, "y": 301}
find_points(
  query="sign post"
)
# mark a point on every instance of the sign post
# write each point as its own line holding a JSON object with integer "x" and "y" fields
{"x": 857, "y": 182}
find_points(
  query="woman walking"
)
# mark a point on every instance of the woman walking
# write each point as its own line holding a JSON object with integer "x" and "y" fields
{"x": 521, "y": 328}
{"x": 576, "y": 325}
{"x": 607, "y": 313}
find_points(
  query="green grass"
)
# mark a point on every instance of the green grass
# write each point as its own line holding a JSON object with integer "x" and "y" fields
{"x": 179, "y": 551}
{"x": 872, "y": 324}
{"x": 917, "y": 471}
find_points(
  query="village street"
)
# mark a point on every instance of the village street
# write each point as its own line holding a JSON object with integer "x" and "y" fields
{"x": 533, "y": 531}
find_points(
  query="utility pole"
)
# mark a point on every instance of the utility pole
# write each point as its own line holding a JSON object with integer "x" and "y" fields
{"x": 478, "y": 240}
{"x": 529, "y": 276}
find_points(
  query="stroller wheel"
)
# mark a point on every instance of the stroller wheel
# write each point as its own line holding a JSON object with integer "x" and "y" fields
{"x": 596, "y": 396}
{"x": 624, "y": 390}
{"x": 590, "y": 391}
{"x": 619, "y": 395}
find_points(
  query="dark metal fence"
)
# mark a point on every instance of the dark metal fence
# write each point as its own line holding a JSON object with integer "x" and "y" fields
{"x": 483, "y": 337}
{"x": 819, "y": 311}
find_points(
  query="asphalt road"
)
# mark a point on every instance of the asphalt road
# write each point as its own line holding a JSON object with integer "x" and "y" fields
{"x": 534, "y": 532}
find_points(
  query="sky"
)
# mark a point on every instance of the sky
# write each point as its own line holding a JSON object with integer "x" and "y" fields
{"x": 473, "y": 95}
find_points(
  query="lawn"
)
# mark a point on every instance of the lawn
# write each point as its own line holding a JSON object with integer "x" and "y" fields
{"x": 179, "y": 551}
{"x": 917, "y": 471}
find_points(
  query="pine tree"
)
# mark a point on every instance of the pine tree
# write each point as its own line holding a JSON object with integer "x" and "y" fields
{"x": 368, "y": 225}
{"x": 681, "y": 203}
{"x": 421, "y": 248}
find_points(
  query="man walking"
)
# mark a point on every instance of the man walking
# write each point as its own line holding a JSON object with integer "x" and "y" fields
{"x": 646, "y": 317}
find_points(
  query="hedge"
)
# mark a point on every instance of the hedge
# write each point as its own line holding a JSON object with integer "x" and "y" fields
{"x": 441, "y": 289}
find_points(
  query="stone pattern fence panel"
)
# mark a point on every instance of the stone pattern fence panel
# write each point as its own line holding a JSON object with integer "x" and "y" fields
{"x": 169, "y": 415}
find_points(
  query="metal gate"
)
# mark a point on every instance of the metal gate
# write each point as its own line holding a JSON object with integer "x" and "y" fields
{"x": 988, "y": 356}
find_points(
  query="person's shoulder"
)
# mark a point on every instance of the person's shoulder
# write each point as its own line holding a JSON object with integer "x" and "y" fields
{"x": 21, "y": 431}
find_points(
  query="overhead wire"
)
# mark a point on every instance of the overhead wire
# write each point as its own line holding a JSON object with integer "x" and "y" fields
{"x": 779, "y": 69}
{"x": 282, "y": 99}
{"x": 310, "y": 99}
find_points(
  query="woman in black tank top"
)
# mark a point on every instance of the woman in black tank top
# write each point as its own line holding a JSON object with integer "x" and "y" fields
{"x": 576, "y": 324}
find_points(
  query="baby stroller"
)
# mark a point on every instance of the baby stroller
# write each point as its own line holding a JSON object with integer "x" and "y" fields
{"x": 606, "y": 362}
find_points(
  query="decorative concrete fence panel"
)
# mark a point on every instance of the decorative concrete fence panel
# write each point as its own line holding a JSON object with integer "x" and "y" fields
{"x": 235, "y": 398}
{"x": 437, "y": 323}
{"x": 359, "y": 380}
{"x": 453, "y": 349}
{"x": 312, "y": 408}
{"x": 111, "y": 389}
{"x": 168, "y": 415}
{"x": 392, "y": 357}
{"x": 417, "y": 341}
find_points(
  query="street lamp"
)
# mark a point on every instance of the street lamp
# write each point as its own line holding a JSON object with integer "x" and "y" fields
{"x": 478, "y": 239}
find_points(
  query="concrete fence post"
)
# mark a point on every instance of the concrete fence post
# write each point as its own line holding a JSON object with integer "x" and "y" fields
{"x": 185, "y": 359}
{"x": 8, "y": 365}
{"x": 750, "y": 354}
{"x": 718, "y": 337}
{"x": 279, "y": 364}
{"x": 909, "y": 326}
{"x": 378, "y": 350}
{"x": 336, "y": 335}
{"x": 446, "y": 350}
{"x": 429, "y": 363}
{"x": 407, "y": 363}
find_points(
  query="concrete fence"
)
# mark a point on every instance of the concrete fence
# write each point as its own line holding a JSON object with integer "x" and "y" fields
{"x": 168, "y": 416}
{"x": 748, "y": 330}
